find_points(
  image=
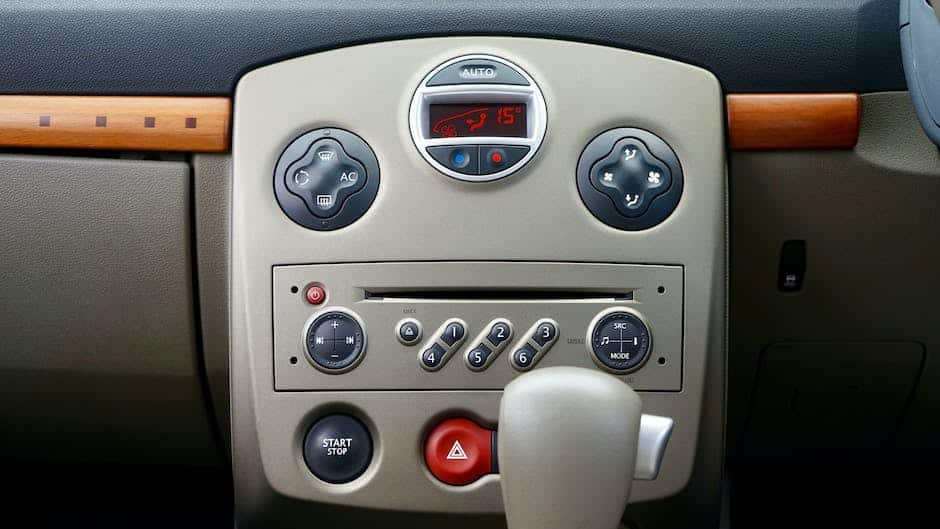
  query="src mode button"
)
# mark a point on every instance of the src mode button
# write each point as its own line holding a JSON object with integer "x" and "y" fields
{"x": 619, "y": 340}
{"x": 477, "y": 71}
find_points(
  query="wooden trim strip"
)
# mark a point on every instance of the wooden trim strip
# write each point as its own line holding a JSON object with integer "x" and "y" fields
{"x": 139, "y": 123}
{"x": 202, "y": 124}
{"x": 793, "y": 121}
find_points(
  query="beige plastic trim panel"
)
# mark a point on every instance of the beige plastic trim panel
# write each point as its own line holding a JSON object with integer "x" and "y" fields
{"x": 98, "y": 345}
{"x": 420, "y": 215}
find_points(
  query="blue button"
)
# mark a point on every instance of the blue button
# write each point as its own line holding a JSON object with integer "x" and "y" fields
{"x": 461, "y": 159}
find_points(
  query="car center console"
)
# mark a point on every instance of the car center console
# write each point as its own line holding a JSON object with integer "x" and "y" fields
{"x": 417, "y": 223}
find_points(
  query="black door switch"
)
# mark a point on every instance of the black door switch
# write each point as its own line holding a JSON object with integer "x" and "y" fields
{"x": 792, "y": 266}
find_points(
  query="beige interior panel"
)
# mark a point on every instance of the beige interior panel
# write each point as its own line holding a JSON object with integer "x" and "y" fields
{"x": 831, "y": 401}
{"x": 98, "y": 332}
{"x": 212, "y": 178}
{"x": 872, "y": 229}
{"x": 535, "y": 215}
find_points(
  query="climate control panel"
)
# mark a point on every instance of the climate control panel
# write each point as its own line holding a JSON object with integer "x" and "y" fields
{"x": 326, "y": 179}
{"x": 477, "y": 118}
{"x": 479, "y": 325}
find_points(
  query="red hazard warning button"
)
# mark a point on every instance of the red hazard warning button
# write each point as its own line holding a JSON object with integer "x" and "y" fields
{"x": 459, "y": 451}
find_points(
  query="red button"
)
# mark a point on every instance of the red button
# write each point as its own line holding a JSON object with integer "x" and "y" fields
{"x": 459, "y": 451}
{"x": 315, "y": 295}
{"x": 496, "y": 157}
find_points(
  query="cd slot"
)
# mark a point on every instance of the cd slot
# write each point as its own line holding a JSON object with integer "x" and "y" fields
{"x": 413, "y": 295}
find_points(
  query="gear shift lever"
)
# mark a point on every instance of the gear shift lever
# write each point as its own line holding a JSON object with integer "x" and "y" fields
{"x": 567, "y": 448}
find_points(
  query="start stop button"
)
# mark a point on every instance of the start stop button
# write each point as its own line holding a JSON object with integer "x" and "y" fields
{"x": 338, "y": 448}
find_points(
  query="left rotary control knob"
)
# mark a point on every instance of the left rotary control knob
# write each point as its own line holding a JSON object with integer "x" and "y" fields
{"x": 326, "y": 179}
{"x": 335, "y": 340}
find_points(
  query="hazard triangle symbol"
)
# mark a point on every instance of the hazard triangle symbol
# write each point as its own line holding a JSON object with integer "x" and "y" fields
{"x": 456, "y": 452}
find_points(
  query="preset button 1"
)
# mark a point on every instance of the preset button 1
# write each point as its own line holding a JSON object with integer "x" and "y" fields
{"x": 453, "y": 332}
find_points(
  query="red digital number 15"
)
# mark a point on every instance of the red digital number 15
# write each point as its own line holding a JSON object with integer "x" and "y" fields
{"x": 507, "y": 115}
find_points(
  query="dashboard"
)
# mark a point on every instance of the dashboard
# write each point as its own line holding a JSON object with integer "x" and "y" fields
{"x": 479, "y": 264}
{"x": 485, "y": 244}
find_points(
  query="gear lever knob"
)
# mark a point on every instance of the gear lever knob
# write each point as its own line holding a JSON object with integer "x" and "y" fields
{"x": 567, "y": 448}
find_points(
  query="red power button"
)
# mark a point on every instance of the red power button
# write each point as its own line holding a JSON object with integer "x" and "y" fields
{"x": 315, "y": 294}
{"x": 459, "y": 451}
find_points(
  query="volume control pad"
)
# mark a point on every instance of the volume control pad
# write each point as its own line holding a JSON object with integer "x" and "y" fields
{"x": 335, "y": 340}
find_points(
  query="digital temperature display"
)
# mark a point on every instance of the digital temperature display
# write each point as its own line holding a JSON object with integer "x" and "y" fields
{"x": 477, "y": 119}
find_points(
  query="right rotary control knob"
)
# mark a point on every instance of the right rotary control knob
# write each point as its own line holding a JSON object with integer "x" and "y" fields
{"x": 629, "y": 179}
{"x": 619, "y": 340}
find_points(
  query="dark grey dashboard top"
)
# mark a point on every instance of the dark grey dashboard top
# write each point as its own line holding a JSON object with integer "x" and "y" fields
{"x": 203, "y": 47}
